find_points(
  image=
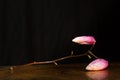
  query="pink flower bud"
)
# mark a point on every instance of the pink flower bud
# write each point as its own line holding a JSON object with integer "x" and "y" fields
{"x": 87, "y": 40}
{"x": 97, "y": 64}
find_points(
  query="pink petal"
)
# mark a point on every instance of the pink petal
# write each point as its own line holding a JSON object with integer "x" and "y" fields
{"x": 84, "y": 40}
{"x": 97, "y": 64}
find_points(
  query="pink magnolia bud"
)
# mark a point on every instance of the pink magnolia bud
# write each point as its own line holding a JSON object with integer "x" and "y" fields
{"x": 87, "y": 40}
{"x": 97, "y": 64}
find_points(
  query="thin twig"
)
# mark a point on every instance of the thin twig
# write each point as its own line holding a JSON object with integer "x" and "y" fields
{"x": 92, "y": 54}
{"x": 59, "y": 59}
{"x": 92, "y": 47}
{"x": 66, "y": 57}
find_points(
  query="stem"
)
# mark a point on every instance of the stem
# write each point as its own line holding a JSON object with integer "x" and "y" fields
{"x": 62, "y": 58}
{"x": 59, "y": 59}
{"x": 92, "y": 54}
{"x": 92, "y": 47}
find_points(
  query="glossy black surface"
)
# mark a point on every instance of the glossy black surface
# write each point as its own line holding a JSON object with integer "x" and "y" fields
{"x": 72, "y": 71}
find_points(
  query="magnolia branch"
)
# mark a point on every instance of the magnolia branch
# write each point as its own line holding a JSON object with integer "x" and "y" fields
{"x": 59, "y": 59}
{"x": 63, "y": 58}
{"x": 88, "y": 53}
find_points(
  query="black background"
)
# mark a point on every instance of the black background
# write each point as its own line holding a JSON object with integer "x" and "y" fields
{"x": 40, "y": 30}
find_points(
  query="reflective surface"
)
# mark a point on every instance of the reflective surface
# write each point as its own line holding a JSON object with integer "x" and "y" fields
{"x": 60, "y": 72}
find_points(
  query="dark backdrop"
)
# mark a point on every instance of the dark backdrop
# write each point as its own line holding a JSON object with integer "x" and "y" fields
{"x": 40, "y": 30}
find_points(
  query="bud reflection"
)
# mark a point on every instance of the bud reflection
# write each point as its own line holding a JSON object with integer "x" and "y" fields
{"x": 97, "y": 75}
